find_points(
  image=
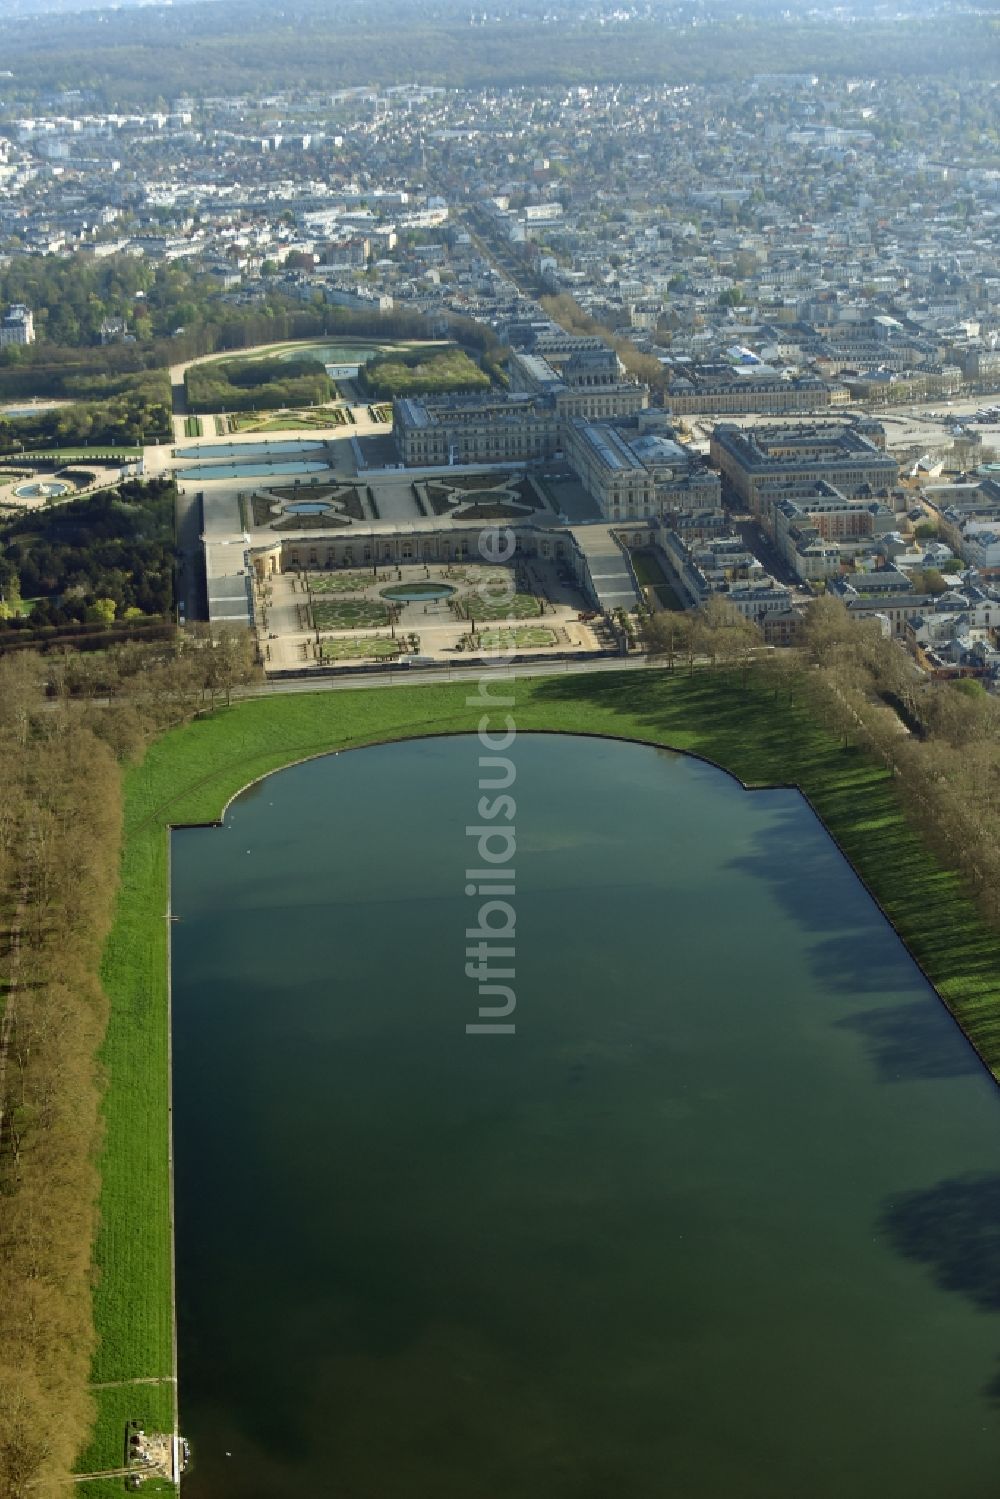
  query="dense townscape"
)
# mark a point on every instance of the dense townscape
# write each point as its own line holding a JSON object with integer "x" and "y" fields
{"x": 699, "y": 312}
{"x": 636, "y": 267}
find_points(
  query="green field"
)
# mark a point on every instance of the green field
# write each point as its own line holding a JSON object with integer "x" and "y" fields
{"x": 190, "y": 773}
{"x": 193, "y": 426}
{"x": 499, "y": 604}
{"x": 479, "y": 574}
{"x": 358, "y": 650}
{"x": 152, "y": 1405}
{"x": 348, "y": 614}
{"x": 522, "y": 635}
{"x": 351, "y": 582}
{"x": 319, "y": 417}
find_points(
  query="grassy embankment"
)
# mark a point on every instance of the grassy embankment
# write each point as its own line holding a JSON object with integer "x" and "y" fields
{"x": 188, "y": 776}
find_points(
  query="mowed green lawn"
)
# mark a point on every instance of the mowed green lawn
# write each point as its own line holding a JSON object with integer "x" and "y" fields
{"x": 190, "y": 773}
{"x": 348, "y": 614}
{"x": 358, "y": 650}
{"x": 355, "y": 582}
{"x": 499, "y": 604}
{"x": 151, "y": 1405}
{"x": 289, "y": 421}
{"x": 520, "y": 635}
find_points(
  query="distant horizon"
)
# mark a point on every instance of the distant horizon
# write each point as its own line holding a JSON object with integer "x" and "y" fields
{"x": 706, "y": 10}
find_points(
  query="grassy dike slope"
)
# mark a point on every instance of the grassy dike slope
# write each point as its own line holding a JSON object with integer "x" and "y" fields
{"x": 188, "y": 776}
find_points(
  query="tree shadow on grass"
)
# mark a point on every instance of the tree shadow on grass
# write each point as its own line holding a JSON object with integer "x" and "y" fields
{"x": 853, "y": 950}
{"x": 767, "y": 740}
{"x": 704, "y": 712}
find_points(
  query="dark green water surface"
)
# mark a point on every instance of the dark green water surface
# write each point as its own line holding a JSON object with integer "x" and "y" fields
{"x": 720, "y": 1221}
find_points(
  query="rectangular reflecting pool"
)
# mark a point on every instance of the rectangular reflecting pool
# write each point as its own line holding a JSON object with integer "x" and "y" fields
{"x": 721, "y": 1218}
{"x": 206, "y": 472}
{"x": 211, "y": 450}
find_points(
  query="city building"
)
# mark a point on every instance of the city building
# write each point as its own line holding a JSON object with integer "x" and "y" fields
{"x": 752, "y": 458}
{"x": 17, "y": 326}
{"x": 489, "y": 428}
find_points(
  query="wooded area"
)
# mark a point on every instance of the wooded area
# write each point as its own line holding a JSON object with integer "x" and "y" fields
{"x": 257, "y": 384}
{"x": 96, "y": 559}
{"x": 60, "y": 831}
{"x": 125, "y": 411}
{"x": 174, "y": 315}
{"x": 939, "y": 739}
{"x": 417, "y": 372}
{"x": 228, "y": 48}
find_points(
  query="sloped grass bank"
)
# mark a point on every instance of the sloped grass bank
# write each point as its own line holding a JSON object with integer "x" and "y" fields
{"x": 189, "y": 775}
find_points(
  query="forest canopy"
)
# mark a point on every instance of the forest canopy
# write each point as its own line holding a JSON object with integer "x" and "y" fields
{"x": 420, "y": 373}
{"x": 257, "y": 384}
{"x": 96, "y": 559}
{"x": 156, "y": 52}
{"x": 120, "y": 411}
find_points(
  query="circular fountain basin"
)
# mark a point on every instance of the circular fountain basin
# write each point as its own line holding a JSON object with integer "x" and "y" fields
{"x": 41, "y": 489}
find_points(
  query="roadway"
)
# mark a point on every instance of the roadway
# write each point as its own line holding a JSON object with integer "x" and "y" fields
{"x": 407, "y": 677}
{"x": 756, "y": 540}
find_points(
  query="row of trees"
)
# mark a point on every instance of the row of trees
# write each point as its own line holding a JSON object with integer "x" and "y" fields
{"x": 717, "y": 632}
{"x": 939, "y": 739}
{"x": 63, "y": 743}
{"x": 59, "y": 836}
{"x": 567, "y": 312}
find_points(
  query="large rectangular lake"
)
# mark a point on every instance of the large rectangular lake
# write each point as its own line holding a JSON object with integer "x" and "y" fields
{"x": 720, "y": 1221}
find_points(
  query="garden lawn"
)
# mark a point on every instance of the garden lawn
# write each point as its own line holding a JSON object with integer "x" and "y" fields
{"x": 338, "y": 582}
{"x": 347, "y": 614}
{"x": 190, "y": 773}
{"x": 490, "y": 604}
{"x": 358, "y": 650}
{"x": 522, "y": 635}
{"x": 650, "y": 574}
{"x": 320, "y": 417}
